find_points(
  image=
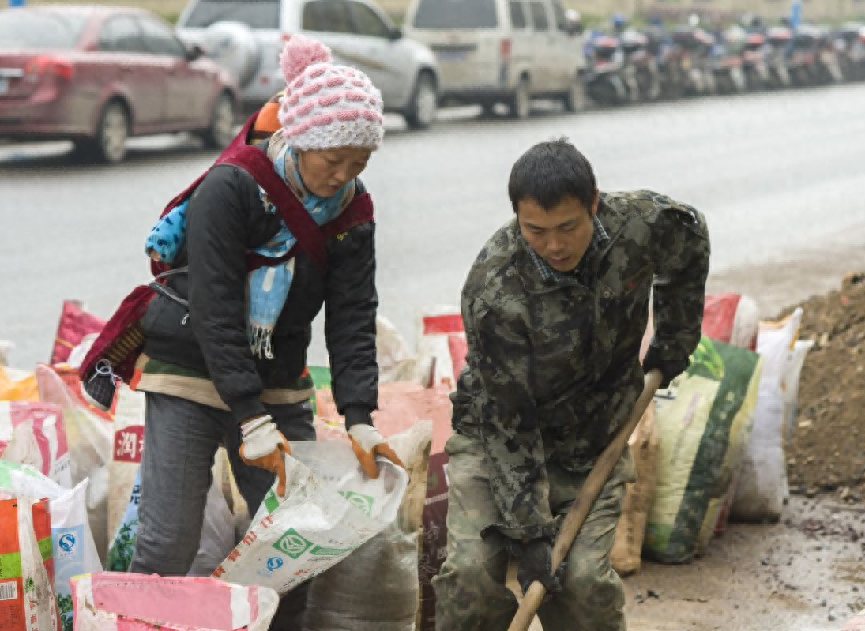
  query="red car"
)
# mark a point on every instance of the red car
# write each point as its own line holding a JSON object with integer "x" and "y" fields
{"x": 98, "y": 75}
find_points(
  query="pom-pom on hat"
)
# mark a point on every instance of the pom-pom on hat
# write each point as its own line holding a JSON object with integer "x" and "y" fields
{"x": 327, "y": 106}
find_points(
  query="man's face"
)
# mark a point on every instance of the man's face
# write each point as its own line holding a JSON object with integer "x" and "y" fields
{"x": 560, "y": 235}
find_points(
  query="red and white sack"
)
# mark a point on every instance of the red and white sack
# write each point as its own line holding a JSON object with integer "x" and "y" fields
{"x": 732, "y": 319}
{"x": 35, "y": 434}
{"x": 75, "y": 324}
{"x": 443, "y": 338}
{"x": 134, "y": 602}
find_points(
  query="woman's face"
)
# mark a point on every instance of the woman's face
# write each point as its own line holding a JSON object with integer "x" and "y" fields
{"x": 326, "y": 171}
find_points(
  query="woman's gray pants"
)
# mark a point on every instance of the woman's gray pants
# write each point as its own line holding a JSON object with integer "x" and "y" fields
{"x": 180, "y": 442}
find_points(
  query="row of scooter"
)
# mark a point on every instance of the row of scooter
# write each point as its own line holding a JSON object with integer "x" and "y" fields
{"x": 655, "y": 64}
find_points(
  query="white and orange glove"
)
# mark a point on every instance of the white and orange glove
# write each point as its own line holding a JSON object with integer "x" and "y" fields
{"x": 367, "y": 442}
{"x": 263, "y": 447}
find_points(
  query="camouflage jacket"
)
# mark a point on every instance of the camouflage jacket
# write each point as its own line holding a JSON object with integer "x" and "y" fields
{"x": 553, "y": 365}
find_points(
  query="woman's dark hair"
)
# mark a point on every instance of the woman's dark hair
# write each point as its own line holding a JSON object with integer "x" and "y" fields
{"x": 551, "y": 171}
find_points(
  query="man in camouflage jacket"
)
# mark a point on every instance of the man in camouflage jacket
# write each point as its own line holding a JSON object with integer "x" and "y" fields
{"x": 555, "y": 308}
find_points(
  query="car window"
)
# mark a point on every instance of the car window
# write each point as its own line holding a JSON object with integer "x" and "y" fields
{"x": 327, "y": 16}
{"x": 561, "y": 20}
{"x": 159, "y": 39}
{"x": 518, "y": 15}
{"x": 121, "y": 35}
{"x": 256, "y": 14}
{"x": 456, "y": 14}
{"x": 367, "y": 22}
{"x": 21, "y": 29}
{"x": 539, "y": 17}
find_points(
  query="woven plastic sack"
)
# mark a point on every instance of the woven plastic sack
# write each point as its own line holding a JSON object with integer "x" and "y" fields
{"x": 75, "y": 324}
{"x": 35, "y": 434}
{"x": 330, "y": 509}
{"x": 27, "y": 601}
{"x": 134, "y": 602}
{"x": 342, "y": 598}
{"x": 762, "y": 483}
{"x": 626, "y": 555}
{"x": 703, "y": 421}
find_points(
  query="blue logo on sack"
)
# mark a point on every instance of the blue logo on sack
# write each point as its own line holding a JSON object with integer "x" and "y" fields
{"x": 274, "y": 563}
{"x": 67, "y": 542}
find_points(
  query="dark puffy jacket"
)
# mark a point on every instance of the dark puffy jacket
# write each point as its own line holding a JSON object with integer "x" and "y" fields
{"x": 226, "y": 218}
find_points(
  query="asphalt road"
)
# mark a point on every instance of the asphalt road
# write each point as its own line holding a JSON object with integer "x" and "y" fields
{"x": 776, "y": 174}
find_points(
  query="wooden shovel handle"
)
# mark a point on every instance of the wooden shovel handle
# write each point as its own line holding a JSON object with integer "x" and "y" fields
{"x": 582, "y": 506}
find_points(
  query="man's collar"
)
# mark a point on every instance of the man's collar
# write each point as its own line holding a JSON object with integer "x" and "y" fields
{"x": 549, "y": 273}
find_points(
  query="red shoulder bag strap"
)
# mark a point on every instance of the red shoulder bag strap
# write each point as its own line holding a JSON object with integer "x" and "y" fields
{"x": 299, "y": 222}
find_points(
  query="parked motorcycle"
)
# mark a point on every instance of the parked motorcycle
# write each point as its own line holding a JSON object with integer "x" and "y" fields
{"x": 727, "y": 62}
{"x": 849, "y": 41}
{"x": 645, "y": 67}
{"x": 609, "y": 79}
{"x": 780, "y": 40}
{"x": 668, "y": 58}
{"x": 812, "y": 58}
{"x": 696, "y": 61}
{"x": 757, "y": 62}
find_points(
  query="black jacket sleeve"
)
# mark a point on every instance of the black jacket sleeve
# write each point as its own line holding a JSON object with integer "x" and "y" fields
{"x": 351, "y": 303}
{"x": 218, "y": 219}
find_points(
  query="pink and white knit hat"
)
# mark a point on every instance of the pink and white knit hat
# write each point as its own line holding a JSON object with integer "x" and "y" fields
{"x": 327, "y": 106}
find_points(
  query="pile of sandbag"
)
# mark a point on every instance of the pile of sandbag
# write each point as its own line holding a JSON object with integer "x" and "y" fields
{"x": 720, "y": 436}
{"x": 703, "y": 423}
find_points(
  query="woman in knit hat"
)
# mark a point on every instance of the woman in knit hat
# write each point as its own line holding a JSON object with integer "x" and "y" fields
{"x": 231, "y": 369}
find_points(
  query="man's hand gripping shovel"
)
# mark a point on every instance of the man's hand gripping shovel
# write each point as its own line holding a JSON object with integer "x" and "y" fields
{"x": 583, "y": 504}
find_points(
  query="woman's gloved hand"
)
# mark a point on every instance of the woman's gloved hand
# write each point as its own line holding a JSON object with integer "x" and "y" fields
{"x": 263, "y": 447}
{"x": 366, "y": 441}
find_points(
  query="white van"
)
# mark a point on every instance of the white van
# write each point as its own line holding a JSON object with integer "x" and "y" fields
{"x": 501, "y": 51}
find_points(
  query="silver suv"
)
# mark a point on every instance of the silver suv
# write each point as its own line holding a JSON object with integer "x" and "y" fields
{"x": 247, "y": 37}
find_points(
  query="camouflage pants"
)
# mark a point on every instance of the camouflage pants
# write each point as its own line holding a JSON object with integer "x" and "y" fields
{"x": 470, "y": 588}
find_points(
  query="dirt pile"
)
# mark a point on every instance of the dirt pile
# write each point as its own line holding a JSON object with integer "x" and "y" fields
{"x": 827, "y": 453}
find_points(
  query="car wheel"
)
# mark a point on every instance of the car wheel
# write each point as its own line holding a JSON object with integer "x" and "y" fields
{"x": 109, "y": 144}
{"x": 488, "y": 109}
{"x": 221, "y": 131}
{"x": 422, "y": 109}
{"x": 575, "y": 97}
{"x": 521, "y": 102}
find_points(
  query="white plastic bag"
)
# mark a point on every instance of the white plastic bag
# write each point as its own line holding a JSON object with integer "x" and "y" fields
{"x": 330, "y": 509}
{"x": 73, "y": 548}
{"x": 763, "y": 475}
{"x": 90, "y": 441}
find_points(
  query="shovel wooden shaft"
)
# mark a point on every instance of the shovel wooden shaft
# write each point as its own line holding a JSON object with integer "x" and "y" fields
{"x": 582, "y": 506}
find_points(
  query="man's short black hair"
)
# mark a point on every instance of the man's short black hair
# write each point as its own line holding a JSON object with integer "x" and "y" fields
{"x": 551, "y": 171}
